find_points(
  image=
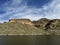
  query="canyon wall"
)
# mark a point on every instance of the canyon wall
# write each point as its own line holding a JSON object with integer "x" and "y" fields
{"x": 43, "y": 23}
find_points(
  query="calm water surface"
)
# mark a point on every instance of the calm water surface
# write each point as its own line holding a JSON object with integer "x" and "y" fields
{"x": 30, "y": 40}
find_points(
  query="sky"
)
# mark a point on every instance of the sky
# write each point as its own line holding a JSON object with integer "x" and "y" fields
{"x": 29, "y": 9}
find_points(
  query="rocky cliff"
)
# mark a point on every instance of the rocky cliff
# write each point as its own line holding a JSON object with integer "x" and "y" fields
{"x": 47, "y": 24}
{"x": 43, "y": 23}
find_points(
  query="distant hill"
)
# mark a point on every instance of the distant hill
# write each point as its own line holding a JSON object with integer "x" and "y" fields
{"x": 27, "y": 27}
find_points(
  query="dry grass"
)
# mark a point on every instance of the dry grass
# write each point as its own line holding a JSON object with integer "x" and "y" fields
{"x": 19, "y": 29}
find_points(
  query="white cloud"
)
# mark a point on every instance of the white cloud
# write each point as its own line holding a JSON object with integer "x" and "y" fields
{"x": 50, "y": 10}
{"x": 53, "y": 9}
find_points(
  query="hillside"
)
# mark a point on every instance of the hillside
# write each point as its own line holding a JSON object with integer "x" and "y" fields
{"x": 19, "y": 29}
{"x": 42, "y": 26}
{"x": 48, "y": 24}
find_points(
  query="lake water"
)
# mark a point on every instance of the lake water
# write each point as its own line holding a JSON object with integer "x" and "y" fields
{"x": 30, "y": 40}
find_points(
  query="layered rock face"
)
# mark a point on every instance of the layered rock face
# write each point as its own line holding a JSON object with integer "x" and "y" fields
{"x": 43, "y": 23}
{"x": 23, "y": 21}
{"x": 54, "y": 24}
{"x": 47, "y": 24}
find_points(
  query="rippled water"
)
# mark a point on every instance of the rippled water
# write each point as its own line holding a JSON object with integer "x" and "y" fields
{"x": 30, "y": 40}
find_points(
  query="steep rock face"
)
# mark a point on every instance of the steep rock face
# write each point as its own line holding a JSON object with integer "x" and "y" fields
{"x": 23, "y": 21}
{"x": 41, "y": 23}
{"x": 53, "y": 24}
{"x": 47, "y": 24}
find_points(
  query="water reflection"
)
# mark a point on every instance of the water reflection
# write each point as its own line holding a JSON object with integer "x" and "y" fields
{"x": 30, "y": 40}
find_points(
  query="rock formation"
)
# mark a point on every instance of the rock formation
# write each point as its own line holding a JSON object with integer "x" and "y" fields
{"x": 23, "y": 21}
{"x": 43, "y": 23}
{"x": 47, "y": 24}
{"x": 54, "y": 24}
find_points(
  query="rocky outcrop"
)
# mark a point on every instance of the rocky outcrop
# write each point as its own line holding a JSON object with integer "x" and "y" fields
{"x": 23, "y": 21}
{"x": 53, "y": 24}
{"x": 43, "y": 23}
{"x": 47, "y": 24}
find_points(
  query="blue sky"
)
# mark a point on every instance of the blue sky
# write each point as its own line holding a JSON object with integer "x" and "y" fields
{"x": 31, "y": 9}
